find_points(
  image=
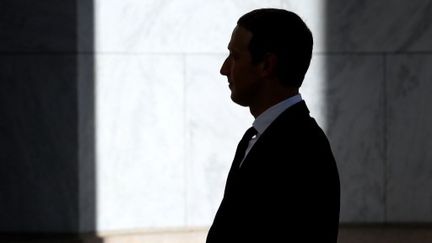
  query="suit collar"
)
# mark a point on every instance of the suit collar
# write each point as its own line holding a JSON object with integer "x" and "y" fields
{"x": 285, "y": 123}
{"x": 287, "y": 120}
{"x": 268, "y": 116}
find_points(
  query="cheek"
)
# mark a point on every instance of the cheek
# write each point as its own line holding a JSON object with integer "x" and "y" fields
{"x": 243, "y": 73}
{"x": 238, "y": 70}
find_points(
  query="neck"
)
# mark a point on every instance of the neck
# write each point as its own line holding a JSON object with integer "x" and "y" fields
{"x": 271, "y": 99}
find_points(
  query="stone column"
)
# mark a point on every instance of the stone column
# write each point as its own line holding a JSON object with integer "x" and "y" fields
{"x": 47, "y": 175}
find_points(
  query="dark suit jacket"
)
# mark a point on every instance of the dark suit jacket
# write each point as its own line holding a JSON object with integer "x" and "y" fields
{"x": 287, "y": 189}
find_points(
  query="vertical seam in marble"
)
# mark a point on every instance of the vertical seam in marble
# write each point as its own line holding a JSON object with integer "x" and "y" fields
{"x": 78, "y": 140}
{"x": 185, "y": 141}
{"x": 385, "y": 134}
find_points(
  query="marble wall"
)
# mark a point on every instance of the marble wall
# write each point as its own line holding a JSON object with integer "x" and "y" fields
{"x": 114, "y": 115}
{"x": 377, "y": 107}
{"x": 167, "y": 129}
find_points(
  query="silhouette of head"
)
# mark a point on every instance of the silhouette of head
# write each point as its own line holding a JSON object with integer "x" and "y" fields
{"x": 284, "y": 34}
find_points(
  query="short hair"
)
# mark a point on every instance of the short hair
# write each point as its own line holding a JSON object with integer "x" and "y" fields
{"x": 284, "y": 34}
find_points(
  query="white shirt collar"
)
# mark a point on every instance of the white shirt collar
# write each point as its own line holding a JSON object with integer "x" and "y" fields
{"x": 268, "y": 116}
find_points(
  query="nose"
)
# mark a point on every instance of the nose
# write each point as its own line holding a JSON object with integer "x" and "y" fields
{"x": 225, "y": 68}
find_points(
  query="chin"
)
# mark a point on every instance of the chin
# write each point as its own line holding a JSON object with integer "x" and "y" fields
{"x": 238, "y": 101}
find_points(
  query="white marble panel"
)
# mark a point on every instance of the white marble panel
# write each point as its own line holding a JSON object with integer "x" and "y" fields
{"x": 169, "y": 26}
{"x": 377, "y": 26}
{"x": 140, "y": 141}
{"x": 214, "y": 126}
{"x": 409, "y": 80}
{"x": 353, "y": 103}
{"x": 313, "y": 13}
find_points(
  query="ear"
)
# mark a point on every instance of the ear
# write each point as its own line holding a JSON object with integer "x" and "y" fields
{"x": 268, "y": 65}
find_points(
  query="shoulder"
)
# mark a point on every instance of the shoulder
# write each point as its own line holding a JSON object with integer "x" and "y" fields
{"x": 294, "y": 122}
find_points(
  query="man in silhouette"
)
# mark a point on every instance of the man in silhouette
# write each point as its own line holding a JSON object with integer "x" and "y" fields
{"x": 283, "y": 185}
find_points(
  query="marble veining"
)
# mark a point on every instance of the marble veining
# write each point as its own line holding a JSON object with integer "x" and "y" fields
{"x": 140, "y": 141}
{"x": 378, "y": 26}
{"x": 174, "y": 26}
{"x": 409, "y": 138}
{"x": 355, "y": 126}
{"x": 214, "y": 125}
{"x": 165, "y": 129}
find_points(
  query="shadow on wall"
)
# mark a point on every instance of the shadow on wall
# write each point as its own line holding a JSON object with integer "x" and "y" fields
{"x": 375, "y": 55}
{"x": 47, "y": 130}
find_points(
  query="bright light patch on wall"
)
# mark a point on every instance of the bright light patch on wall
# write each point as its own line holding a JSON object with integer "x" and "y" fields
{"x": 163, "y": 111}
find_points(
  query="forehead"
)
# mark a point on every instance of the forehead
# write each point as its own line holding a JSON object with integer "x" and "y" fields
{"x": 240, "y": 39}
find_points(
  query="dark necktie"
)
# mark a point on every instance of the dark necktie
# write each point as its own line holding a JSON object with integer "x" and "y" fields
{"x": 242, "y": 146}
{"x": 240, "y": 153}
